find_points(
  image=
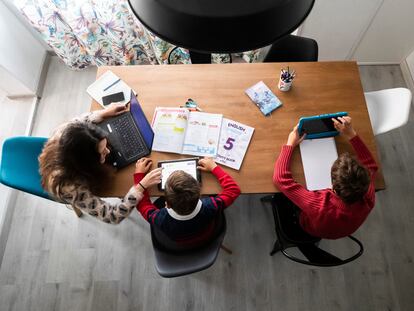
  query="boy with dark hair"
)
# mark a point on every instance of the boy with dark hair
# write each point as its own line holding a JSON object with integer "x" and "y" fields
{"x": 187, "y": 219}
{"x": 340, "y": 211}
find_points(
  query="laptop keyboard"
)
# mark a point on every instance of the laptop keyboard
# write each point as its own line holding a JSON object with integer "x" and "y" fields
{"x": 130, "y": 140}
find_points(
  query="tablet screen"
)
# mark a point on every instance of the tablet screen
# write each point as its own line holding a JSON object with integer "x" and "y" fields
{"x": 318, "y": 126}
{"x": 187, "y": 165}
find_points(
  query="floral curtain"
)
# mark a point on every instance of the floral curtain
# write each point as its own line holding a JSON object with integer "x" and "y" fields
{"x": 102, "y": 32}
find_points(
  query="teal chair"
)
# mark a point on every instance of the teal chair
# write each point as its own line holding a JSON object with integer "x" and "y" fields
{"x": 19, "y": 166}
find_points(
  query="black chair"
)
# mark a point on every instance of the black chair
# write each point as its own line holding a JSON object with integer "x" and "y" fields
{"x": 173, "y": 260}
{"x": 200, "y": 58}
{"x": 290, "y": 234}
{"x": 196, "y": 57}
{"x": 293, "y": 49}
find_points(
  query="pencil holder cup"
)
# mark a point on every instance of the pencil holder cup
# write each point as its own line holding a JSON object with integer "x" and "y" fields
{"x": 285, "y": 79}
{"x": 284, "y": 86}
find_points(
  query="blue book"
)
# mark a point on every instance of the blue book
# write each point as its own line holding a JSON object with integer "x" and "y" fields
{"x": 263, "y": 97}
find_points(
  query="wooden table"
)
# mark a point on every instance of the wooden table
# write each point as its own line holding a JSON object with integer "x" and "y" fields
{"x": 320, "y": 87}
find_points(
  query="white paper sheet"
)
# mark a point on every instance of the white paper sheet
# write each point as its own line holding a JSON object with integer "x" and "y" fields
{"x": 318, "y": 155}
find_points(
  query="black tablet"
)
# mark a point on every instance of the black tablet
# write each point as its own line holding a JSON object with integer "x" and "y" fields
{"x": 188, "y": 165}
{"x": 319, "y": 126}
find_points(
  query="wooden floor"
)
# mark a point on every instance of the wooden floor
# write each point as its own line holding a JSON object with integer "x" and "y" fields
{"x": 55, "y": 261}
{"x": 14, "y": 118}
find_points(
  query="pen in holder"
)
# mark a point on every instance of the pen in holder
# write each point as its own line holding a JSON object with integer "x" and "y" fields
{"x": 286, "y": 79}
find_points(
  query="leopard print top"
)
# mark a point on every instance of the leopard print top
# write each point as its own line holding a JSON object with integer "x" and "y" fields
{"x": 79, "y": 196}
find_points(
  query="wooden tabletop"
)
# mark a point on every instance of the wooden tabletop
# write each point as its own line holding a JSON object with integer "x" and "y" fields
{"x": 319, "y": 87}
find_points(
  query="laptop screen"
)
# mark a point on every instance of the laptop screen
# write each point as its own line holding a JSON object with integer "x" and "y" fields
{"x": 141, "y": 121}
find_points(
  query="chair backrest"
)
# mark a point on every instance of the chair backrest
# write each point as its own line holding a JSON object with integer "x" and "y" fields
{"x": 293, "y": 48}
{"x": 292, "y": 235}
{"x": 171, "y": 261}
{"x": 19, "y": 166}
{"x": 388, "y": 109}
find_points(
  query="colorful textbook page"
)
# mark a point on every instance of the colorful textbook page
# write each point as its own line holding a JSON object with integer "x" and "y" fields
{"x": 178, "y": 130}
{"x": 263, "y": 97}
{"x": 203, "y": 132}
{"x": 234, "y": 140}
{"x": 169, "y": 126}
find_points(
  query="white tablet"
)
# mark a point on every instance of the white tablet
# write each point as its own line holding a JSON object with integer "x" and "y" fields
{"x": 188, "y": 165}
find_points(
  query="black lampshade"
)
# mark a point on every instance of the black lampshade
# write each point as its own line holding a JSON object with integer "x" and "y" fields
{"x": 221, "y": 26}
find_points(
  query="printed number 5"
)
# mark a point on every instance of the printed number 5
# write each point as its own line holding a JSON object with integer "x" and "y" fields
{"x": 229, "y": 143}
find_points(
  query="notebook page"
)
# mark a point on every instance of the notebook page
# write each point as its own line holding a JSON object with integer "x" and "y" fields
{"x": 318, "y": 155}
{"x": 169, "y": 126}
{"x": 203, "y": 133}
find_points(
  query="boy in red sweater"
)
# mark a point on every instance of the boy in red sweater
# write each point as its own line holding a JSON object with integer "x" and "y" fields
{"x": 337, "y": 212}
{"x": 187, "y": 219}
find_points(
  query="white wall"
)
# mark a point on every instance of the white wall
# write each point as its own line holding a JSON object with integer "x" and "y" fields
{"x": 21, "y": 55}
{"x": 407, "y": 68}
{"x": 368, "y": 31}
{"x": 389, "y": 39}
{"x": 339, "y": 25}
{"x": 410, "y": 63}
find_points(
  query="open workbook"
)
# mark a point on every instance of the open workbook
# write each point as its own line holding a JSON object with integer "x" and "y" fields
{"x": 179, "y": 130}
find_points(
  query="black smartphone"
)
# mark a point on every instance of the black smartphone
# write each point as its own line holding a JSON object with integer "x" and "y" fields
{"x": 113, "y": 98}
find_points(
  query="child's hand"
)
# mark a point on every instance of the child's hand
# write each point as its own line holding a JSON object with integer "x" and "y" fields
{"x": 294, "y": 139}
{"x": 143, "y": 165}
{"x": 206, "y": 164}
{"x": 113, "y": 109}
{"x": 151, "y": 179}
{"x": 344, "y": 126}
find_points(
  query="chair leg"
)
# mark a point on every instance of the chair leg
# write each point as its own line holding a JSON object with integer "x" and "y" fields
{"x": 227, "y": 250}
{"x": 77, "y": 211}
{"x": 276, "y": 248}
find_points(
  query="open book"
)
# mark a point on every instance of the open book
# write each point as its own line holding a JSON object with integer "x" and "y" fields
{"x": 179, "y": 130}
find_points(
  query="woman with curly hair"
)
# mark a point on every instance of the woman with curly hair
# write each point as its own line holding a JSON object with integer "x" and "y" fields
{"x": 74, "y": 166}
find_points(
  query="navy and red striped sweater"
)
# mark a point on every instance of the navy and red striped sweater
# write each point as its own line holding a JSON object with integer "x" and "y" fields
{"x": 197, "y": 227}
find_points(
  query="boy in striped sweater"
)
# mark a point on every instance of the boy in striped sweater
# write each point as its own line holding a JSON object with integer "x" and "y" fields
{"x": 186, "y": 218}
{"x": 340, "y": 211}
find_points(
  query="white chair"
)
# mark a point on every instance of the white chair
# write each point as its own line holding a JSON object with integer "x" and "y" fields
{"x": 388, "y": 109}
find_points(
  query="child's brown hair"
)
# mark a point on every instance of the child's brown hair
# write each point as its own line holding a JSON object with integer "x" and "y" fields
{"x": 182, "y": 192}
{"x": 350, "y": 179}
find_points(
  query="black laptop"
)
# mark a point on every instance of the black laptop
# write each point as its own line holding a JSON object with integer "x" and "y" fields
{"x": 130, "y": 135}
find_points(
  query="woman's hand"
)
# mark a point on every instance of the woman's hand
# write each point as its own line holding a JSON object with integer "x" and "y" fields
{"x": 151, "y": 179}
{"x": 143, "y": 165}
{"x": 294, "y": 138}
{"x": 206, "y": 164}
{"x": 112, "y": 110}
{"x": 344, "y": 126}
